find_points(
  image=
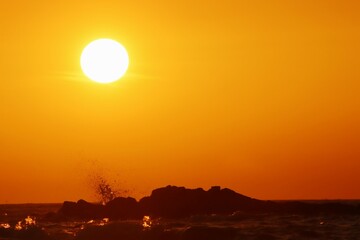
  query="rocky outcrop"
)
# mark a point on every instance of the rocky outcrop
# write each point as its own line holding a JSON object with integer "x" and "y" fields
{"x": 178, "y": 202}
{"x": 82, "y": 209}
{"x": 125, "y": 208}
{"x": 181, "y": 202}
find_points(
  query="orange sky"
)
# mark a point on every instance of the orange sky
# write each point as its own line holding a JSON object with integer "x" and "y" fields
{"x": 259, "y": 96}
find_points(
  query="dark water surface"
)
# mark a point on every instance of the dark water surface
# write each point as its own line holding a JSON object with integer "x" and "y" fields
{"x": 33, "y": 221}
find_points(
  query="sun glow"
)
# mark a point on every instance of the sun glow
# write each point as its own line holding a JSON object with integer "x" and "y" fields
{"x": 104, "y": 61}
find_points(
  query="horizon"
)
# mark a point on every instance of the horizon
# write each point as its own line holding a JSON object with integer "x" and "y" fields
{"x": 139, "y": 198}
{"x": 261, "y": 97}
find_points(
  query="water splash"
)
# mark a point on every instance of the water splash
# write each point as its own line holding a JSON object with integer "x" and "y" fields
{"x": 104, "y": 221}
{"x": 147, "y": 222}
{"x": 93, "y": 222}
{"x": 105, "y": 191}
{"x": 105, "y": 183}
{"x": 5, "y": 225}
{"x": 18, "y": 226}
{"x": 26, "y": 223}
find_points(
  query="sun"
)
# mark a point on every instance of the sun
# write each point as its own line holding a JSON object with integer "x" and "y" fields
{"x": 104, "y": 61}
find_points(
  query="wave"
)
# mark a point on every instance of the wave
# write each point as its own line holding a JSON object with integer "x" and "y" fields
{"x": 206, "y": 227}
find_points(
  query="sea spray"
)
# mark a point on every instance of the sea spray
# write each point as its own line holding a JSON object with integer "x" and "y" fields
{"x": 105, "y": 192}
{"x": 104, "y": 183}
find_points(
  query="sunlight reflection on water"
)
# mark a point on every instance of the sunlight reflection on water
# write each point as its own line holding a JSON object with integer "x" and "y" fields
{"x": 147, "y": 222}
{"x": 26, "y": 223}
{"x": 5, "y": 225}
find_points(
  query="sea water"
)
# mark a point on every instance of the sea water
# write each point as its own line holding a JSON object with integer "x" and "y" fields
{"x": 40, "y": 221}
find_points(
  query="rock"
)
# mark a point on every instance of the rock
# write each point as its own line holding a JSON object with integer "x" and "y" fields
{"x": 174, "y": 202}
{"x": 82, "y": 209}
{"x": 123, "y": 208}
{"x": 180, "y": 202}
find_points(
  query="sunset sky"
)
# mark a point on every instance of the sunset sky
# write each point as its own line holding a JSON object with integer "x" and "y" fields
{"x": 262, "y": 97}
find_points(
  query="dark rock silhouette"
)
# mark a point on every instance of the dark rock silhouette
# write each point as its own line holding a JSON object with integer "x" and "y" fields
{"x": 179, "y": 202}
{"x": 82, "y": 209}
{"x": 123, "y": 208}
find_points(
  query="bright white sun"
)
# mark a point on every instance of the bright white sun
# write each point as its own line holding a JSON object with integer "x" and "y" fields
{"x": 104, "y": 61}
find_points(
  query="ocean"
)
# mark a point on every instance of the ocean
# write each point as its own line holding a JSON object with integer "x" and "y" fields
{"x": 39, "y": 221}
